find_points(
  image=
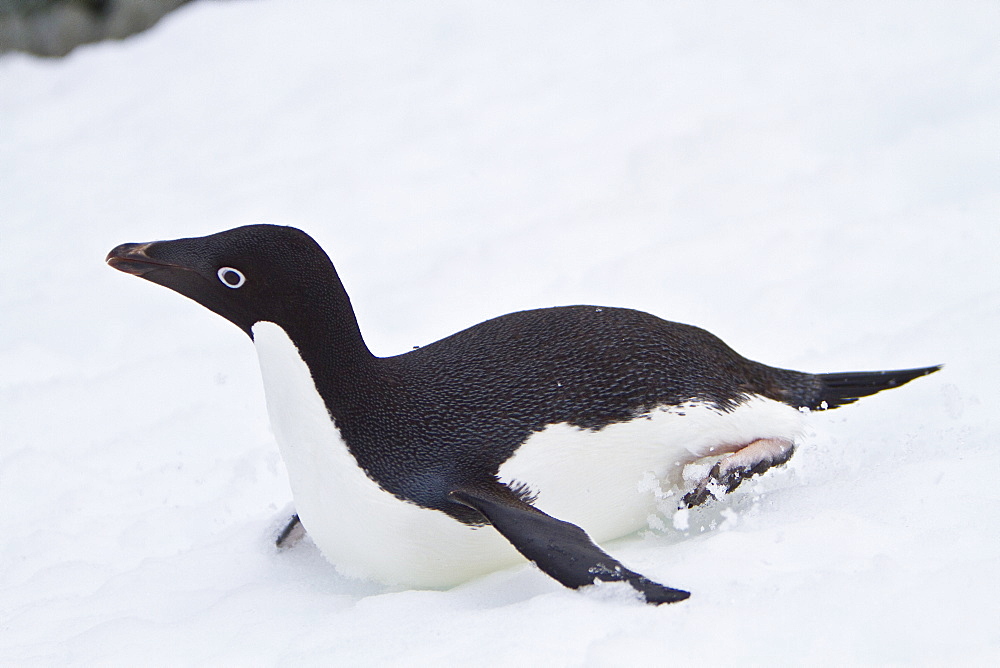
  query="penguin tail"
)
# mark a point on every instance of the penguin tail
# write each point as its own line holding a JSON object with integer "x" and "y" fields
{"x": 838, "y": 389}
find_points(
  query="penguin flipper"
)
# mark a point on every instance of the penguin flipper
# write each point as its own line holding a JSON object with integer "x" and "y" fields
{"x": 562, "y": 550}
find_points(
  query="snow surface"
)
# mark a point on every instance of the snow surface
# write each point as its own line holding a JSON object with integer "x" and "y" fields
{"x": 817, "y": 183}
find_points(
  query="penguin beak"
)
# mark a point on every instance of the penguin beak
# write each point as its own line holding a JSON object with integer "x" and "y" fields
{"x": 133, "y": 259}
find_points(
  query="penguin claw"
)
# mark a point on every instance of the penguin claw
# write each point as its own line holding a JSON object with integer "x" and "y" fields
{"x": 731, "y": 471}
{"x": 699, "y": 495}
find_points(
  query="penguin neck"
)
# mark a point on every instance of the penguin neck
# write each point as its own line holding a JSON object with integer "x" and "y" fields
{"x": 325, "y": 333}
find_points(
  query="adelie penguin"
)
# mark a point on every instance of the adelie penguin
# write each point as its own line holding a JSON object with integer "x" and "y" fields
{"x": 534, "y": 432}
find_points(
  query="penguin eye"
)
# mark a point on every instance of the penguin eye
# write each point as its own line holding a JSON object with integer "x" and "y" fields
{"x": 231, "y": 278}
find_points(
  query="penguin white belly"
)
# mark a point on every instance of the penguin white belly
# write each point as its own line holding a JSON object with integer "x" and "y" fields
{"x": 603, "y": 481}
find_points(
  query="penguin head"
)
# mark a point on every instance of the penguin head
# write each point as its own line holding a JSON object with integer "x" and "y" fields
{"x": 247, "y": 275}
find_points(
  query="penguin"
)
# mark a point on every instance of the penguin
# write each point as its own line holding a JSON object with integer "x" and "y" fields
{"x": 538, "y": 434}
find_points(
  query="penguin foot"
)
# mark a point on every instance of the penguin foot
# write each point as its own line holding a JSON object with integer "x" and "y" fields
{"x": 733, "y": 469}
{"x": 291, "y": 534}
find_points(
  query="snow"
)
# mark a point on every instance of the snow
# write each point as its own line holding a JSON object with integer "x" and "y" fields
{"x": 815, "y": 183}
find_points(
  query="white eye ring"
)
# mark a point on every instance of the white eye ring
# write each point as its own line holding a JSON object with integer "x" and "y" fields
{"x": 227, "y": 274}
